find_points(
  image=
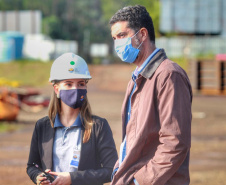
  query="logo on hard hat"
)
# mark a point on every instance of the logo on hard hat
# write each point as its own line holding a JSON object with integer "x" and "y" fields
{"x": 70, "y": 70}
{"x": 72, "y": 63}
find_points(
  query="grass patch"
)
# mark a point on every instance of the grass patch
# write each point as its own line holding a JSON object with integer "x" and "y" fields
{"x": 27, "y": 73}
{"x": 9, "y": 127}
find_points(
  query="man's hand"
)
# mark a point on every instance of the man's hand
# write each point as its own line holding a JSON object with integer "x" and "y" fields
{"x": 62, "y": 178}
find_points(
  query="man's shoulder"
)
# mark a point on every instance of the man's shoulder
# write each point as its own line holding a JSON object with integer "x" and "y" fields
{"x": 168, "y": 66}
{"x": 169, "y": 69}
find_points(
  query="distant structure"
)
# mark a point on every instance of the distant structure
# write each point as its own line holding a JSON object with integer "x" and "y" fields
{"x": 196, "y": 17}
{"x": 25, "y": 21}
{"x": 21, "y": 37}
{"x": 200, "y": 26}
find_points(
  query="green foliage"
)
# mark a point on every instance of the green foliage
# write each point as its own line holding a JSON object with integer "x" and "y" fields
{"x": 52, "y": 27}
{"x": 67, "y": 19}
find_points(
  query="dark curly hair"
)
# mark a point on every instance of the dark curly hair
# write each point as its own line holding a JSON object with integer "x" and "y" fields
{"x": 137, "y": 17}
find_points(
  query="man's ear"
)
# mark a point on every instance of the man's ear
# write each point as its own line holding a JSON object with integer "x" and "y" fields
{"x": 144, "y": 34}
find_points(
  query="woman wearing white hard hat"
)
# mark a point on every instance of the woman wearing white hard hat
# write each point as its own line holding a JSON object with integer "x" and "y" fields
{"x": 70, "y": 144}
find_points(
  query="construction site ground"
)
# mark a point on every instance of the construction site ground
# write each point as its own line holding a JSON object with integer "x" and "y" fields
{"x": 106, "y": 92}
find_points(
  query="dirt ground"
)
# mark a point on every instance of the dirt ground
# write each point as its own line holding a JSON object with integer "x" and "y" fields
{"x": 106, "y": 92}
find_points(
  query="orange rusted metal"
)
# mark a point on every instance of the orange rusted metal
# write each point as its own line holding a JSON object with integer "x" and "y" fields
{"x": 9, "y": 105}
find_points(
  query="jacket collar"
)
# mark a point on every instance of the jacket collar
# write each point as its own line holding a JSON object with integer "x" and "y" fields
{"x": 153, "y": 64}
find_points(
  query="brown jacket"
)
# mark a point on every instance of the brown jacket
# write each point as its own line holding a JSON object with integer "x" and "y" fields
{"x": 158, "y": 135}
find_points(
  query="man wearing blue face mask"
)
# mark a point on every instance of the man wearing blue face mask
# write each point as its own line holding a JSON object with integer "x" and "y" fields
{"x": 125, "y": 50}
{"x": 156, "y": 112}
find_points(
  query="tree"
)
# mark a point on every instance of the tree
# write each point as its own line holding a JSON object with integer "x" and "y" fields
{"x": 85, "y": 21}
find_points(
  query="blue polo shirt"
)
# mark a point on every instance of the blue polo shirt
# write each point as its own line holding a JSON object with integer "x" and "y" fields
{"x": 128, "y": 107}
{"x": 67, "y": 140}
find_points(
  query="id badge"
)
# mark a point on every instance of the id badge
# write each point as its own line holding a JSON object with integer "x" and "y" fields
{"x": 75, "y": 158}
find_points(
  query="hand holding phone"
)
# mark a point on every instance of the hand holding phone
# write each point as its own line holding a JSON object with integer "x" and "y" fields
{"x": 49, "y": 177}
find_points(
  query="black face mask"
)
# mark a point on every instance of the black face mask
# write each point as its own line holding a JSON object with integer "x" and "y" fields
{"x": 74, "y": 98}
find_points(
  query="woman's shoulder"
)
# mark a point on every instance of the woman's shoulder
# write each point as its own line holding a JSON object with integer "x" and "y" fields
{"x": 43, "y": 122}
{"x": 98, "y": 120}
{"x": 100, "y": 123}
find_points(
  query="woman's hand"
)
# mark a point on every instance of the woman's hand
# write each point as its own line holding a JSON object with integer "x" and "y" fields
{"x": 62, "y": 178}
{"x": 40, "y": 180}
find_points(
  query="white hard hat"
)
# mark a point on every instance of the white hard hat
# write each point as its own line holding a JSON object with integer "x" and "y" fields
{"x": 69, "y": 66}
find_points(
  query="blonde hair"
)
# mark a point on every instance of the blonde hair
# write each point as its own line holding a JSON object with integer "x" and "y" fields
{"x": 85, "y": 113}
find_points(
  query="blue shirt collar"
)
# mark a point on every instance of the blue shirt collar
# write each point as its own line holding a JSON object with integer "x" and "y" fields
{"x": 138, "y": 70}
{"x": 77, "y": 123}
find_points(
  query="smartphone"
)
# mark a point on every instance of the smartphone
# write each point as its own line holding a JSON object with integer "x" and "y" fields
{"x": 49, "y": 177}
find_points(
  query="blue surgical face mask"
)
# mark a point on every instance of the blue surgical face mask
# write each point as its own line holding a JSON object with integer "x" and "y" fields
{"x": 125, "y": 50}
{"x": 74, "y": 98}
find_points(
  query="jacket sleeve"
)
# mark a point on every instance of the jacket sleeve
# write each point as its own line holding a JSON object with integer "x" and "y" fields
{"x": 115, "y": 169}
{"x": 174, "y": 108}
{"x": 107, "y": 153}
{"x": 34, "y": 157}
